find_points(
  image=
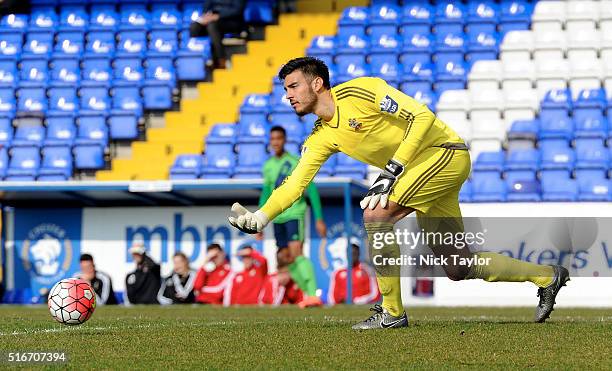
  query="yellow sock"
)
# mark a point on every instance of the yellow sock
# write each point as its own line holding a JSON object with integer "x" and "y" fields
{"x": 506, "y": 269}
{"x": 388, "y": 277}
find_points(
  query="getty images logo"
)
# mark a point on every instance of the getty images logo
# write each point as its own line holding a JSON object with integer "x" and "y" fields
{"x": 180, "y": 235}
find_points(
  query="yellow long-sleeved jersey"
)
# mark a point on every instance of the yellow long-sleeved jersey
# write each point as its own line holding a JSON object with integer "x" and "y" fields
{"x": 373, "y": 123}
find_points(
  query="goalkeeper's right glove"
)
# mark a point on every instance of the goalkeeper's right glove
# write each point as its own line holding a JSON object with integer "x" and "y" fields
{"x": 247, "y": 221}
{"x": 379, "y": 191}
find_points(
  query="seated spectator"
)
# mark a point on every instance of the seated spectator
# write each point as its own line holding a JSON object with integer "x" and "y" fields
{"x": 212, "y": 277}
{"x": 279, "y": 288}
{"x": 99, "y": 281}
{"x": 218, "y": 18}
{"x": 142, "y": 285}
{"x": 177, "y": 288}
{"x": 245, "y": 286}
{"x": 365, "y": 288}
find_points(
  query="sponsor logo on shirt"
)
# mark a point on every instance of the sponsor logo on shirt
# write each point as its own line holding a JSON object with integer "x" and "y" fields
{"x": 355, "y": 124}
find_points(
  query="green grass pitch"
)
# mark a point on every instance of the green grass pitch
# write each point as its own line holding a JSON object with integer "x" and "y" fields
{"x": 196, "y": 337}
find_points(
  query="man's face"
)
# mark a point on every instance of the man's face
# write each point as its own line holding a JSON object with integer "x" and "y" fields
{"x": 283, "y": 256}
{"x": 219, "y": 258}
{"x": 300, "y": 93}
{"x": 277, "y": 142}
{"x": 355, "y": 255}
{"x": 180, "y": 265}
{"x": 88, "y": 269}
{"x": 248, "y": 262}
{"x": 137, "y": 258}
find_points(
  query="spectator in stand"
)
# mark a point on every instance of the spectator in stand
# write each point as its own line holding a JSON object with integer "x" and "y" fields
{"x": 142, "y": 285}
{"x": 245, "y": 286}
{"x": 212, "y": 277}
{"x": 178, "y": 287}
{"x": 99, "y": 281}
{"x": 218, "y": 18}
{"x": 279, "y": 288}
{"x": 365, "y": 288}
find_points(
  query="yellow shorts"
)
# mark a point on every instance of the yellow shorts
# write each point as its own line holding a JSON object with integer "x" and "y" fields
{"x": 430, "y": 184}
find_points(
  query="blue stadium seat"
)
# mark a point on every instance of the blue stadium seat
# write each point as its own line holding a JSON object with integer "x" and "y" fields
{"x": 162, "y": 43}
{"x": 524, "y": 129}
{"x": 43, "y": 18}
{"x": 417, "y": 48}
{"x": 161, "y": 70}
{"x": 97, "y": 72}
{"x": 100, "y": 43}
{"x": 69, "y": 44}
{"x": 352, "y": 45}
{"x": 524, "y": 191}
{"x": 450, "y": 47}
{"x": 385, "y": 44}
{"x": 517, "y": 176}
{"x": 450, "y": 76}
{"x": 158, "y": 88}
{"x": 292, "y": 125}
{"x": 259, "y": 12}
{"x": 65, "y": 72}
{"x": 34, "y": 73}
{"x": 73, "y": 18}
{"x": 220, "y": 161}
{"x": 482, "y": 46}
{"x": 557, "y": 158}
{"x": 123, "y": 124}
{"x": 560, "y": 99}
{"x": 38, "y": 45}
{"x": 450, "y": 17}
{"x": 127, "y": 98}
{"x": 222, "y": 134}
{"x": 94, "y": 100}
{"x": 131, "y": 43}
{"x": 7, "y": 102}
{"x": 56, "y": 163}
{"x": 590, "y": 124}
{"x": 10, "y": 46}
{"x": 255, "y": 103}
{"x": 251, "y": 157}
{"x": 186, "y": 167}
{"x": 9, "y": 76}
{"x": 15, "y": 24}
{"x": 103, "y": 18}
{"x": 559, "y": 191}
{"x": 489, "y": 190}
{"x": 166, "y": 18}
{"x": 418, "y": 76}
{"x": 465, "y": 194}
{"x": 192, "y": 57}
{"x": 349, "y": 70}
{"x": 6, "y": 132}
{"x": 24, "y": 163}
{"x": 61, "y": 131}
{"x": 191, "y": 12}
{"x": 426, "y": 97}
{"x": 349, "y": 167}
{"x": 487, "y": 161}
{"x": 128, "y": 72}
{"x": 483, "y": 16}
{"x": 253, "y": 131}
{"x": 387, "y": 69}
{"x": 88, "y": 157}
{"x": 29, "y": 135}
{"x": 591, "y": 154}
{"x": 92, "y": 130}
{"x": 417, "y": 18}
{"x": 384, "y": 19}
{"x": 525, "y": 159}
{"x": 595, "y": 190}
{"x": 4, "y": 162}
{"x": 32, "y": 100}
{"x": 560, "y": 127}
{"x": 134, "y": 17}
{"x": 515, "y": 15}
{"x": 353, "y": 20}
{"x": 63, "y": 100}
{"x": 322, "y": 45}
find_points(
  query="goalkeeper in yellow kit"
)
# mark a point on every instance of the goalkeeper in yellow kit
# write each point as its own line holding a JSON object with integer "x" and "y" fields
{"x": 424, "y": 164}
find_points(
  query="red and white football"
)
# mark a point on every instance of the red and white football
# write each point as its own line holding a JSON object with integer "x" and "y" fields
{"x": 72, "y": 301}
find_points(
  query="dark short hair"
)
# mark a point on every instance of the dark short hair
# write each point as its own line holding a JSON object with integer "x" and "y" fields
{"x": 279, "y": 129}
{"x": 86, "y": 258}
{"x": 214, "y": 246}
{"x": 310, "y": 67}
{"x": 182, "y": 255}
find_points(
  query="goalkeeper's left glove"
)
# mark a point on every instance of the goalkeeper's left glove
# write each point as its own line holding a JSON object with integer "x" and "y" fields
{"x": 247, "y": 221}
{"x": 379, "y": 191}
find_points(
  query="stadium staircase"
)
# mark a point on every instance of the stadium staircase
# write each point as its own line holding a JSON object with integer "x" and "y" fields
{"x": 220, "y": 99}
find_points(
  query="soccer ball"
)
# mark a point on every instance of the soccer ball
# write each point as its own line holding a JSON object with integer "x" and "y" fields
{"x": 72, "y": 301}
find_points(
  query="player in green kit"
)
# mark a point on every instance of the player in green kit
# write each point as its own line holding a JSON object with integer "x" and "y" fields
{"x": 289, "y": 225}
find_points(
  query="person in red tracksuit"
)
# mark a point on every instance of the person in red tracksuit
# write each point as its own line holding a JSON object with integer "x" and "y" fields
{"x": 213, "y": 277}
{"x": 365, "y": 288}
{"x": 244, "y": 287}
{"x": 279, "y": 289}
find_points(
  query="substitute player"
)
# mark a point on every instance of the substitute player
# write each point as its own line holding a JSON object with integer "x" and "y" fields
{"x": 424, "y": 164}
{"x": 289, "y": 225}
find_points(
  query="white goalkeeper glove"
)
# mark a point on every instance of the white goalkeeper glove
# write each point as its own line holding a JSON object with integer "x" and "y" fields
{"x": 379, "y": 191}
{"x": 247, "y": 221}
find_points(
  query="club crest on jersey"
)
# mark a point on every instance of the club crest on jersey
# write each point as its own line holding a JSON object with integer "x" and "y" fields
{"x": 388, "y": 105}
{"x": 355, "y": 124}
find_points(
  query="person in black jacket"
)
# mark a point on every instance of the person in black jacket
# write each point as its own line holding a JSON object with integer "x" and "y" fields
{"x": 218, "y": 18}
{"x": 99, "y": 281}
{"x": 142, "y": 285}
{"x": 177, "y": 288}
